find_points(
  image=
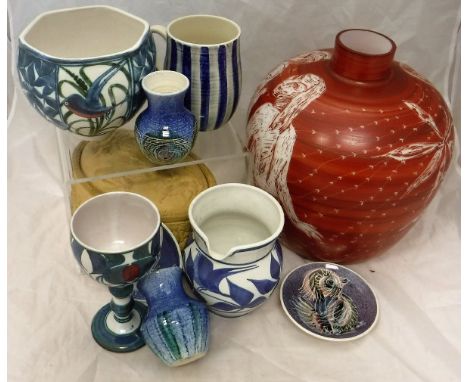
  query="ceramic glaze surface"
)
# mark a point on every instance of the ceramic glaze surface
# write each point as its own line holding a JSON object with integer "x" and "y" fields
{"x": 89, "y": 96}
{"x": 206, "y": 49}
{"x": 233, "y": 290}
{"x": 166, "y": 130}
{"x": 228, "y": 230}
{"x": 354, "y": 145}
{"x": 117, "y": 268}
{"x": 329, "y": 301}
{"x": 176, "y": 327}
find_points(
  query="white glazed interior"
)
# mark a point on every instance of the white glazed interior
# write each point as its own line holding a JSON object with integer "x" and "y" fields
{"x": 233, "y": 217}
{"x": 115, "y": 222}
{"x": 367, "y": 42}
{"x": 165, "y": 82}
{"x": 204, "y": 30}
{"x": 86, "y": 32}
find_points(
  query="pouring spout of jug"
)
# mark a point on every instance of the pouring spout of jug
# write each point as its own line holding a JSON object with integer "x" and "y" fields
{"x": 235, "y": 262}
{"x": 235, "y": 223}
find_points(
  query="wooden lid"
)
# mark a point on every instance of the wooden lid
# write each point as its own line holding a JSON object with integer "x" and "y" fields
{"x": 171, "y": 190}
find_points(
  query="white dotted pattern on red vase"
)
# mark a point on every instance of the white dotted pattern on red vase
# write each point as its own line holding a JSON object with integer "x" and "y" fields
{"x": 377, "y": 188}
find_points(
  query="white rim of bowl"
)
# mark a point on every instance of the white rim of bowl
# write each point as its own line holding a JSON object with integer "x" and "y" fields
{"x": 105, "y": 56}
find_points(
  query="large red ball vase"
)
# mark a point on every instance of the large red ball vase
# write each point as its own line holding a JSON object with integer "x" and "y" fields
{"x": 352, "y": 143}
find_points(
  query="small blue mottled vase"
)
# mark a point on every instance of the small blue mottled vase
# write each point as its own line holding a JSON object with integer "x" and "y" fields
{"x": 166, "y": 130}
{"x": 176, "y": 326}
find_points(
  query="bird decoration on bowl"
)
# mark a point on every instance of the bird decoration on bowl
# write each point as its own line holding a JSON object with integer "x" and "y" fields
{"x": 88, "y": 89}
{"x": 90, "y": 105}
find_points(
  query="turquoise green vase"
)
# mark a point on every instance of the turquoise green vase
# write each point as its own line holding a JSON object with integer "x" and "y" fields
{"x": 176, "y": 326}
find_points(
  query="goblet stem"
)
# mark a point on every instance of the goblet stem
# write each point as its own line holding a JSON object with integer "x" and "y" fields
{"x": 122, "y": 303}
{"x": 116, "y": 326}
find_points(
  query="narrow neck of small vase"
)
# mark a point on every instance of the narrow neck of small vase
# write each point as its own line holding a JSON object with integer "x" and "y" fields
{"x": 165, "y": 90}
{"x": 163, "y": 288}
{"x": 165, "y": 103}
{"x": 363, "y": 55}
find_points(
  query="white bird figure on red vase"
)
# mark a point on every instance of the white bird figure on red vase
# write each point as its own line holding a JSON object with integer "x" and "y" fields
{"x": 272, "y": 137}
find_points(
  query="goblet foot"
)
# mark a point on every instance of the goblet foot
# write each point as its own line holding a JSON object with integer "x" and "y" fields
{"x": 120, "y": 337}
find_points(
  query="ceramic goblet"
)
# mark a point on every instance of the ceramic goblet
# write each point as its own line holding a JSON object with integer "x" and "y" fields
{"x": 116, "y": 238}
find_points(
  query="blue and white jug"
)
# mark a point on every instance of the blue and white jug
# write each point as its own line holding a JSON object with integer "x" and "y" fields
{"x": 166, "y": 130}
{"x": 235, "y": 260}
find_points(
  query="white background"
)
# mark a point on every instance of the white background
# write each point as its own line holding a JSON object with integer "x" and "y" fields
{"x": 50, "y": 305}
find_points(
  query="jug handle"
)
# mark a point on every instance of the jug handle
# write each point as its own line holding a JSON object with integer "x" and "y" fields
{"x": 160, "y": 30}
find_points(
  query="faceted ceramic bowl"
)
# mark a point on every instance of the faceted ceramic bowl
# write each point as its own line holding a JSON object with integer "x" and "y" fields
{"x": 81, "y": 68}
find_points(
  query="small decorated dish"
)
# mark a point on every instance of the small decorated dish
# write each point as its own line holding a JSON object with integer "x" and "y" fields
{"x": 329, "y": 301}
{"x": 170, "y": 251}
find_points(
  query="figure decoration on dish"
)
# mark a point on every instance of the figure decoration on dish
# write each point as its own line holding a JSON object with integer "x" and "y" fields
{"x": 329, "y": 301}
{"x": 322, "y": 305}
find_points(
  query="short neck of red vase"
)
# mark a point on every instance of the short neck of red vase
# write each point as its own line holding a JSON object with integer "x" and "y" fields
{"x": 361, "y": 66}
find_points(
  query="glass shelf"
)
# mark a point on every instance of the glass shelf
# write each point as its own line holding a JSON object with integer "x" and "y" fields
{"x": 222, "y": 151}
{"x": 211, "y": 146}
